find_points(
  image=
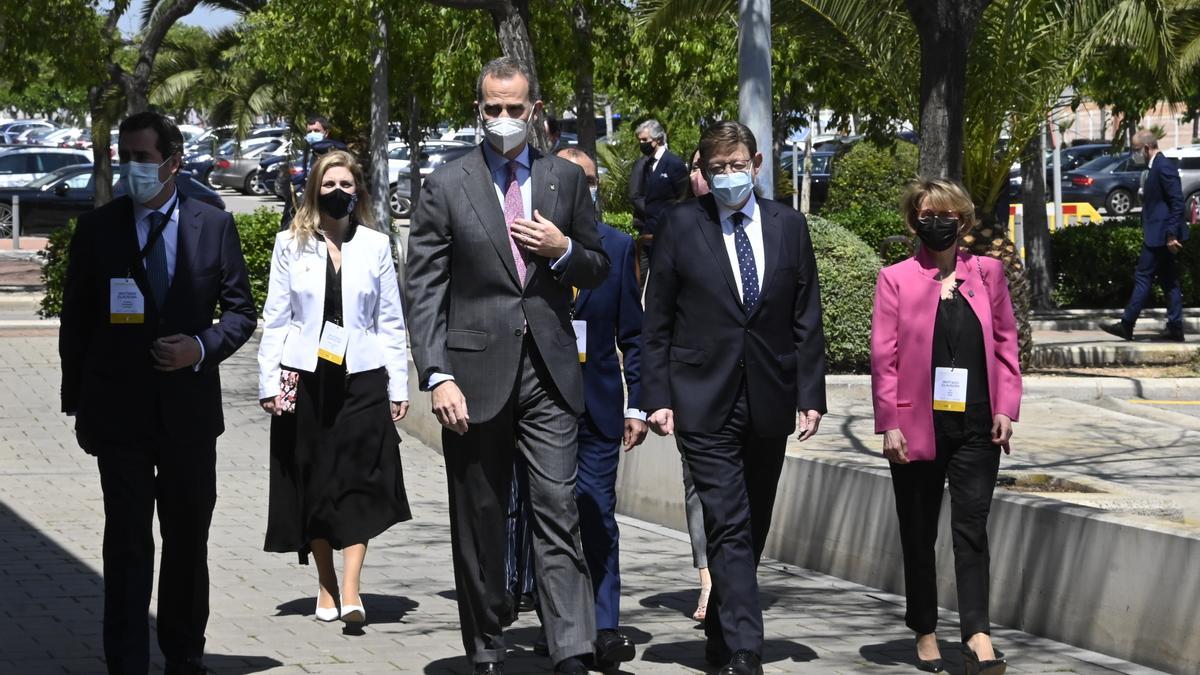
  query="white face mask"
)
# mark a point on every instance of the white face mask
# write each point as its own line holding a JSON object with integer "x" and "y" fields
{"x": 505, "y": 134}
{"x": 314, "y": 137}
{"x": 142, "y": 180}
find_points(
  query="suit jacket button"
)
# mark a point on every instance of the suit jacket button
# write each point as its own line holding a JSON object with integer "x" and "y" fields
{"x": 518, "y": 332}
{"x": 741, "y": 363}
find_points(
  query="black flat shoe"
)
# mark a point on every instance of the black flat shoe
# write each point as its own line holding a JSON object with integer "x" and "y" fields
{"x": 744, "y": 662}
{"x": 973, "y": 666}
{"x": 489, "y": 669}
{"x": 931, "y": 666}
{"x": 613, "y": 648}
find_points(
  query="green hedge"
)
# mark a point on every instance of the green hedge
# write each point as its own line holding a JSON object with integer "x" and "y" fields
{"x": 871, "y": 177}
{"x": 1093, "y": 265}
{"x": 257, "y": 231}
{"x": 873, "y": 224}
{"x": 847, "y": 268}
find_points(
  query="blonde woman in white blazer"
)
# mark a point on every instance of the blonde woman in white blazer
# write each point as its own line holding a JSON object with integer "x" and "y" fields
{"x": 333, "y": 372}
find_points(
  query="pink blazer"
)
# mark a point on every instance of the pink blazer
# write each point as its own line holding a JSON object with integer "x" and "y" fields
{"x": 906, "y": 301}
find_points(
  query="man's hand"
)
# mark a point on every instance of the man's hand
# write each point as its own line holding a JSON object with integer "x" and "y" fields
{"x": 895, "y": 446}
{"x": 450, "y": 407}
{"x": 1002, "y": 431}
{"x": 174, "y": 352}
{"x": 399, "y": 410}
{"x": 807, "y": 423}
{"x": 635, "y": 433}
{"x": 539, "y": 236}
{"x": 662, "y": 421}
{"x": 1174, "y": 245}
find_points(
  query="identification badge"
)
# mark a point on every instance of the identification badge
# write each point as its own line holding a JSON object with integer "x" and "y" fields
{"x": 580, "y": 339}
{"x": 950, "y": 389}
{"x": 126, "y": 304}
{"x": 333, "y": 343}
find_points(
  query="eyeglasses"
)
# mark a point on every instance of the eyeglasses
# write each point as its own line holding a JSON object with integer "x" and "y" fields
{"x": 735, "y": 166}
{"x": 493, "y": 110}
{"x": 927, "y": 215}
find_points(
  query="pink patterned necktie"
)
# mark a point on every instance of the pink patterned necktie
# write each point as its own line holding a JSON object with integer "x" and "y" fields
{"x": 514, "y": 208}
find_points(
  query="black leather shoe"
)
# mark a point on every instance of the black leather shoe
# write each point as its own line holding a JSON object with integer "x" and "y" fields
{"x": 489, "y": 669}
{"x": 540, "y": 646}
{"x": 1121, "y": 329}
{"x": 1173, "y": 335}
{"x": 973, "y": 666}
{"x": 571, "y": 666}
{"x": 931, "y": 665}
{"x": 613, "y": 648}
{"x": 716, "y": 653}
{"x": 192, "y": 666}
{"x": 744, "y": 662}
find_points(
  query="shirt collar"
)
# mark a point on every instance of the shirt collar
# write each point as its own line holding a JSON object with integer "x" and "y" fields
{"x": 662, "y": 150}
{"x": 140, "y": 211}
{"x": 750, "y": 209}
{"x": 1151, "y": 162}
{"x": 496, "y": 161}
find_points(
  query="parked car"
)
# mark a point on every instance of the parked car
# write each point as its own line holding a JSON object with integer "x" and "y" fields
{"x": 36, "y": 135}
{"x": 1109, "y": 182}
{"x": 10, "y": 131}
{"x": 52, "y": 200}
{"x": 60, "y": 137}
{"x": 238, "y": 168}
{"x": 822, "y": 170}
{"x": 19, "y": 166}
{"x": 1072, "y": 158}
{"x": 433, "y": 155}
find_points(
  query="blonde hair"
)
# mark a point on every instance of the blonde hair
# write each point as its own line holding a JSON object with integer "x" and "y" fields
{"x": 942, "y": 194}
{"x": 307, "y": 221}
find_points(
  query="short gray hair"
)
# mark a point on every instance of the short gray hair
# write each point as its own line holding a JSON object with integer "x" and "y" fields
{"x": 655, "y": 128}
{"x": 1145, "y": 138}
{"x": 504, "y": 68}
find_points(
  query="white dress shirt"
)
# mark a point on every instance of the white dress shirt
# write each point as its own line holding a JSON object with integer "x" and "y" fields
{"x": 170, "y": 240}
{"x": 752, "y": 223}
{"x": 658, "y": 153}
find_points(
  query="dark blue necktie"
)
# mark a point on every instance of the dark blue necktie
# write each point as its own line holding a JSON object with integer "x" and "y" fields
{"x": 746, "y": 262}
{"x": 156, "y": 262}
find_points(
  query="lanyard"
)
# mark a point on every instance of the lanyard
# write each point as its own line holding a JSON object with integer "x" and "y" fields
{"x": 155, "y": 234}
{"x": 951, "y": 313}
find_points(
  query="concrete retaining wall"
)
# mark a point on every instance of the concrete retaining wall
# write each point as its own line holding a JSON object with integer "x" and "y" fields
{"x": 1069, "y": 573}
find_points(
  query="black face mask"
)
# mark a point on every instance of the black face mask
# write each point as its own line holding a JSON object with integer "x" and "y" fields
{"x": 647, "y": 148}
{"x": 937, "y": 233}
{"x": 337, "y": 204}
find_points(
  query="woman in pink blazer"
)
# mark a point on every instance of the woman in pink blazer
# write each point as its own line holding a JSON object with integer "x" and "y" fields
{"x": 946, "y": 384}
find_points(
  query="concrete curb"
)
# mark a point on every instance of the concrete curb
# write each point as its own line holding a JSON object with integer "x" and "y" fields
{"x": 1084, "y": 388}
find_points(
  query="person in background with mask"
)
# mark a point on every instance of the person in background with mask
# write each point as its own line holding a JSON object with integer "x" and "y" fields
{"x": 697, "y": 186}
{"x": 1164, "y": 229}
{"x": 140, "y": 354}
{"x": 333, "y": 373}
{"x": 316, "y": 144}
{"x": 733, "y": 351}
{"x": 946, "y": 380}
{"x": 500, "y": 238}
{"x": 659, "y": 178}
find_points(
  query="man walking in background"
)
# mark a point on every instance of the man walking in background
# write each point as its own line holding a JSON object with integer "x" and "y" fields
{"x": 659, "y": 179}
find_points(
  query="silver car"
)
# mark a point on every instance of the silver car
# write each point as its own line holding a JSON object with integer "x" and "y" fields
{"x": 19, "y": 166}
{"x": 239, "y": 170}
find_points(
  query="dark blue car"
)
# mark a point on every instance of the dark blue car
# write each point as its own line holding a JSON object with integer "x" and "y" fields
{"x": 1110, "y": 182}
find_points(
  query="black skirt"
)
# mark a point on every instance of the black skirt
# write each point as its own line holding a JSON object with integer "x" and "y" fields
{"x": 335, "y": 463}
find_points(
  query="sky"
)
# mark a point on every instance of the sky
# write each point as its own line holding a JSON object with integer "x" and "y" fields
{"x": 205, "y": 18}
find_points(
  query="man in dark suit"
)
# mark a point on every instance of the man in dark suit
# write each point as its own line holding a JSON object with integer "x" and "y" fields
{"x": 1164, "y": 229}
{"x": 139, "y": 355}
{"x": 733, "y": 348}
{"x": 658, "y": 180}
{"x": 499, "y": 238}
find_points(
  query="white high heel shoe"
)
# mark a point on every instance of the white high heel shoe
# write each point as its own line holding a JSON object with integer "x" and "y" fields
{"x": 326, "y": 613}
{"x": 354, "y": 613}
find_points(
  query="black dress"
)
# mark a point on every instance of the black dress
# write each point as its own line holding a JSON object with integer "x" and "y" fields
{"x": 335, "y": 461}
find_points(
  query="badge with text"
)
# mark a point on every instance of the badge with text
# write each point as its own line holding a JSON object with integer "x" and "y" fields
{"x": 580, "y": 339}
{"x": 333, "y": 343}
{"x": 126, "y": 304}
{"x": 950, "y": 389}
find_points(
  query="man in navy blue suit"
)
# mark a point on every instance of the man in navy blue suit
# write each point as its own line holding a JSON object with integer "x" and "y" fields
{"x": 605, "y": 319}
{"x": 1164, "y": 230}
{"x": 658, "y": 180}
{"x": 140, "y": 352}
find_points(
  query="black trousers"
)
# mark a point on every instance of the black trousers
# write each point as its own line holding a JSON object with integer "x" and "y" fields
{"x": 180, "y": 478}
{"x": 735, "y": 473}
{"x": 967, "y": 457}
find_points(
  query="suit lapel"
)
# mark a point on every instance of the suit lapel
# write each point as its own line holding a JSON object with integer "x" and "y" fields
{"x": 544, "y": 200}
{"x": 710, "y": 228}
{"x": 187, "y": 246}
{"x": 772, "y": 234}
{"x": 481, "y": 192}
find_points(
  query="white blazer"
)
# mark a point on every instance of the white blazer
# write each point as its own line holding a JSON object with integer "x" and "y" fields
{"x": 294, "y": 313}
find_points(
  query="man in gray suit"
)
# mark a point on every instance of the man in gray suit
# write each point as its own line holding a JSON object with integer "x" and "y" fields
{"x": 499, "y": 238}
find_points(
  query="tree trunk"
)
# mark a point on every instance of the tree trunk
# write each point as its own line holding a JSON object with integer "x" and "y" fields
{"x": 137, "y": 82}
{"x": 101, "y": 141}
{"x": 585, "y": 107}
{"x": 946, "y": 28}
{"x": 1195, "y": 124}
{"x": 379, "y": 183}
{"x": 1039, "y": 267}
{"x": 415, "y": 137}
{"x": 755, "y": 97}
{"x": 511, "y": 18}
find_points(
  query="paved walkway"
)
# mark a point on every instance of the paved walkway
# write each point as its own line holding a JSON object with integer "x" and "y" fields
{"x": 50, "y": 527}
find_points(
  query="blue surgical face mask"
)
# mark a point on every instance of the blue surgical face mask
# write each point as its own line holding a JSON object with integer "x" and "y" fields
{"x": 731, "y": 189}
{"x": 314, "y": 137}
{"x": 142, "y": 179}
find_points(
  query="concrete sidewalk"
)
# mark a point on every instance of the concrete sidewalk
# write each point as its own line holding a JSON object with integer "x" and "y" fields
{"x": 50, "y": 526}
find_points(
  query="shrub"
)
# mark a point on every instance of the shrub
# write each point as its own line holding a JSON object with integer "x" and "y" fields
{"x": 54, "y": 269}
{"x": 874, "y": 224}
{"x": 871, "y": 177}
{"x": 847, "y": 268}
{"x": 1093, "y": 264}
{"x": 621, "y": 220}
{"x": 257, "y": 231}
